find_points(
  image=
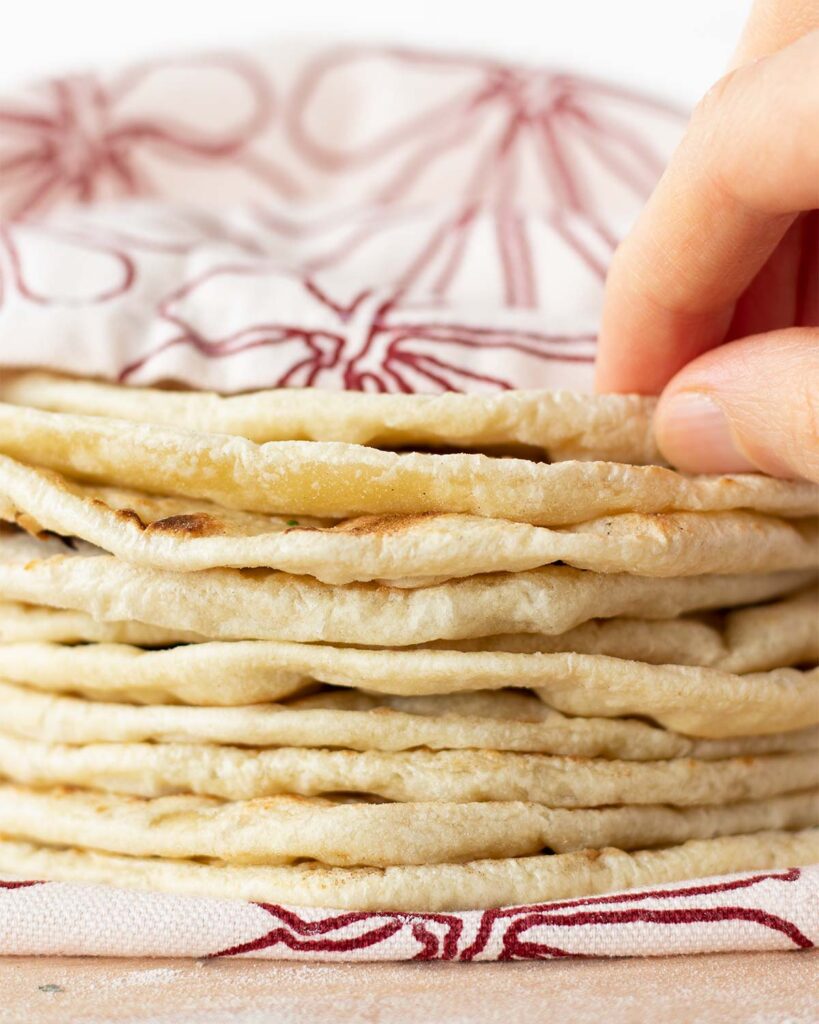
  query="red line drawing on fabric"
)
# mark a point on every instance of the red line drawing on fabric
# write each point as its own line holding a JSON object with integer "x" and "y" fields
{"x": 82, "y": 138}
{"x": 494, "y": 129}
{"x": 322, "y": 348}
{"x": 516, "y": 948}
{"x": 434, "y": 936}
{"x": 432, "y": 948}
{"x": 535, "y": 115}
{"x": 371, "y": 348}
{"x": 123, "y": 267}
{"x": 440, "y": 250}
{"x": 294, "y": 927}
{"x": 297, "y": 933}
{"x": 490, "y": 917}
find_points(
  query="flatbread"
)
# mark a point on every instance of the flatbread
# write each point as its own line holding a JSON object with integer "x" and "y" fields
{"x": 780, "y": 633}
{"x": 184, "y": 535}
{"x": 755, "y": 639}
{"x": 555, "y": 424}
{"x": 696, "y": 701}
{"x": 235, "y": 604}
{"x": 444, "y": 776}
{"x": 278, "y": 830}
{"x": 433, "y": 887}
{"x": 352, "y": 720}
{"x": 748, "y": 700}
{"x": 240, "y": 672}
{"x": 22, "y": 623}
{"x": 339, "y": 480}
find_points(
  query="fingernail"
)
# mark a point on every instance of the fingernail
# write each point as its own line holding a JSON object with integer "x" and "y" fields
{"x": 694, "y": 434}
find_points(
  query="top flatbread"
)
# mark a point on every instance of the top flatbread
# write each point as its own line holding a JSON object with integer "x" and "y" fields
{"x": 557, "y": 424}
{"x": 340, "y": 480}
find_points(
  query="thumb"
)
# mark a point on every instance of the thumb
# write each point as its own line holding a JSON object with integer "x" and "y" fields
{"x": 746, "y": 406}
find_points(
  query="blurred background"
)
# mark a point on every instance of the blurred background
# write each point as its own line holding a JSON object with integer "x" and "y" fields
{"x": 674, "y": 49}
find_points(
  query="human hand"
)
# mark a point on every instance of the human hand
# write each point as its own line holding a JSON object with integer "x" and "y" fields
{"x": 713, "y": 299}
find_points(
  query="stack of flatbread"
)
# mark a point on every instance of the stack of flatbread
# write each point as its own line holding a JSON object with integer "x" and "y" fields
{"x": 394, "y": 651}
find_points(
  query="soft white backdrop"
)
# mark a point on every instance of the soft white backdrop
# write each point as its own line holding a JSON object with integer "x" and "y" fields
{"x": 675, "y": 48}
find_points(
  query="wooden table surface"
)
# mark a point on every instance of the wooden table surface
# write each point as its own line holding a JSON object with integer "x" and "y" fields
{"x": 758, "y": 988}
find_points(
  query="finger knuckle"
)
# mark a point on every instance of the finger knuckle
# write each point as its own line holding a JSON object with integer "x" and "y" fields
{"x": 713, "y": 133}
{"x": 720, "y": 96}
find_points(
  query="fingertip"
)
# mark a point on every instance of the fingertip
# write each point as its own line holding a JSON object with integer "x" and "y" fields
{"x": 749, "y": 405}
{"x": 694, "y": 434}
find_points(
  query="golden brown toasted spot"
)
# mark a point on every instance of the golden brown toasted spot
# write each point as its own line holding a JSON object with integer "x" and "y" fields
{"x": 30, "y": 525}
{"x": 194, "y": 524}
{"x": 591, "y": 855}
{"x": 67, "y": 790}
{"x": 127, "y": 515}
{"x": 375, "y": 525}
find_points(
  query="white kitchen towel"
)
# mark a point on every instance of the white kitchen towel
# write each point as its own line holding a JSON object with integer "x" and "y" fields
{"x": 374, "y": 219}
{"x": 766, "y": 910}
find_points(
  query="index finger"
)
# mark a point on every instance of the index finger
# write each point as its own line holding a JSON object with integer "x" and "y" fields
{"x": 748, "y": 165}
